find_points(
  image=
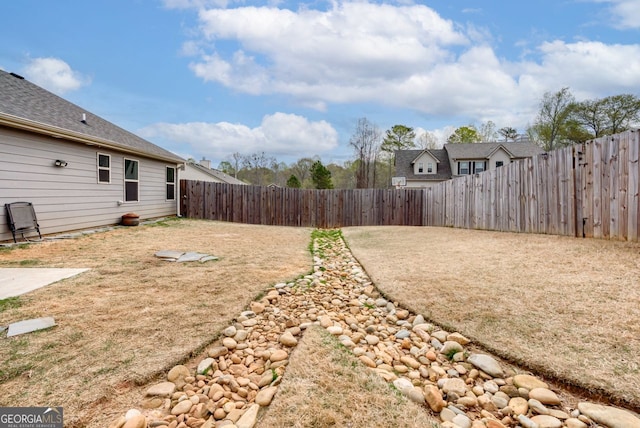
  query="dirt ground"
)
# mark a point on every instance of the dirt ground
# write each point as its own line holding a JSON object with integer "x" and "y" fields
{"x": 133, "y": 316}
{"x": 567, "y": 308}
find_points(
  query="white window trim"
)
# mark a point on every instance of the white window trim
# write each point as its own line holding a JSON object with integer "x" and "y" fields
{"x": 429, "y": 167}
{"x": 174, "y": 182}
{"x": 126, "y": 180}
{"x": 98, "y": 168}
{"x": 460, "y": 168}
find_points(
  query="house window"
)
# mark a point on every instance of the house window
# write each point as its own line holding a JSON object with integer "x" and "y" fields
{"x": 104, "y": 168}
{"x": 420, "y": 168}
{"x": 479, "y": 167}
{"x": 171, "y": 183}
{"x": 499, "y": 164}
{"x": 463, "y": 168}
{"x": 429, "y": 167}
{"x": 131, "y": 180}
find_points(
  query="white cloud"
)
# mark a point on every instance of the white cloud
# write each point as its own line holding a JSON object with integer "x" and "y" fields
{"x": 401, "y": 56}
{"x": 625, "y": 13}
{"x": 279, "y": 134}
{"x": 55, "y": 75}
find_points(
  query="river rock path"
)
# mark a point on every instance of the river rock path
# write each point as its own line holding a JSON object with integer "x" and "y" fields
{"x": 240, "y": 373}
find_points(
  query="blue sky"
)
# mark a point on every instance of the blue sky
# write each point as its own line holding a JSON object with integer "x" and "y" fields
{"x": 207, "y": 78}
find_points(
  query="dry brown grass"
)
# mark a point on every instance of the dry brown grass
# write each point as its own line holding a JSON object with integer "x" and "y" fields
{"x": 326, "y": 386}
{"x": 567, "y": 308}
{"x": 133, "y": 316}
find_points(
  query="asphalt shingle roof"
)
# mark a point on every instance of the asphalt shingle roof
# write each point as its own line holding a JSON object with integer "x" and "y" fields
{"x": 225, "y": 178}
{"x": 404, "y": 167}
{"x": 22, "y": 99}
{"x": 483, "y": 150}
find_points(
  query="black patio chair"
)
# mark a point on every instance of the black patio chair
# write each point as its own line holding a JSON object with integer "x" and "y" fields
{"x": 22, "y": 218}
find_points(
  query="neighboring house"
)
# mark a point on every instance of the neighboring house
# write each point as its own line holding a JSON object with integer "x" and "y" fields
{"x": 468, "y": 159}
{"x": 78, "y": 169}
{"x": 203, "y": 172}
{"x": 424, "y": 168}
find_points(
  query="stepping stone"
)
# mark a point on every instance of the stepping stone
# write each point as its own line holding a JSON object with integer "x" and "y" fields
{"x": 28, "y": 326}
{"x": 191, "y": 257}
{"x": 169, "y": 254}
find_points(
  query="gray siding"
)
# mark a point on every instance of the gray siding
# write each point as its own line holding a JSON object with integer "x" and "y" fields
{"x": 71, "y": 198}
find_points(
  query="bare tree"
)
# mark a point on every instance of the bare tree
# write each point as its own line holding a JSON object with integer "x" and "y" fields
{"x": 257, "y": 165}
{"x": 237, "y": 160}
{"x": 488, "y": 132}
{"x": 508, "y": 133}
{"x": 427, "y": 141}
{"x": 366, "y": 144}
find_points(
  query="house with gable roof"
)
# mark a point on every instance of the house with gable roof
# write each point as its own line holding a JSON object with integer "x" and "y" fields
{"x": 77, "y": 169}
{"x": 466, "y": 159}
{"x": 425, "y": 168}
{"x": 202, "y": 171}
{"x": 422, "y": 168}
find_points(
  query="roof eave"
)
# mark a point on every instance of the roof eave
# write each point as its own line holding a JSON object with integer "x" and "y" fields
{"x": 57, "y": 132}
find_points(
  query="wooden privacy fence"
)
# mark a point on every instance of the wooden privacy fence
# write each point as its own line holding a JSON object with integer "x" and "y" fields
{"x": 301, "y": 207}
{"x": 588, "y": 190}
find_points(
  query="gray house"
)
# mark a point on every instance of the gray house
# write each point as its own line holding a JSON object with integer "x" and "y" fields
{"x": 202, "y": 171}
{"x": 422, "y": 168}
{"x": 78, "y": 169}
{"x": 425, "y": 168}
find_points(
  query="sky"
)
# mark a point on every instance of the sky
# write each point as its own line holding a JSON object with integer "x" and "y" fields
{"x": 209, "y": 78}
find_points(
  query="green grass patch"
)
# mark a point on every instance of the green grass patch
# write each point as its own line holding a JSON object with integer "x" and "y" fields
{"x": 10, "y": 303}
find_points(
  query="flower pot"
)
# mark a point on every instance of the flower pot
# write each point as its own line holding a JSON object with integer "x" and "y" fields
{"x": 130, "y": 219}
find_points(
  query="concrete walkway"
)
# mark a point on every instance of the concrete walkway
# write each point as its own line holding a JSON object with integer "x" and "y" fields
{"x": 17, "y": 281}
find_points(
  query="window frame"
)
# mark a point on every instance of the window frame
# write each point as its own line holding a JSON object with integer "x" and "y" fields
{"x": 102, "y": 168}
{"x": 429, "y": 167}
{"x": 131, "y": 180}
{"x": 170, "y": 183}
{"x": 420, "y": 168}
{"x": 475, "y": 167}
{"x": 467, "y": 168}
{"x": 499, "y": 164}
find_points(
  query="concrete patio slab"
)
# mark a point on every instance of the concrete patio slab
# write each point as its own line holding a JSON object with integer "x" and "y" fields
{"x": 27, "y": 326}
{"x": 17, "y": 281}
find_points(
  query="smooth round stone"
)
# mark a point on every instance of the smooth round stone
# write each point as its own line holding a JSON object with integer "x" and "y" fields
{"x": 491, "y": 386}
{"x": 287, "y": 339}
{"x": 278, "y": 355}
{"x": 137, "y": 421}
{"x": 182, "y": 407}
{"x": 462, "y": 421}
{"x": 218, "y": 351}
{"x": 229, "y": 331}
{"x": 163, "y": 389}
{"x": 545, "y": 396}
{"x": 610, "y": 416}
{"x": 241, "y": 335}
{"x": 487, "y": 364}
{"x": 335, "y": 330}
{"x": 451, "y": 347}
{"x": 403, "y": 334}
{"x": 205, "y": 365}
{"x": 178, "y": 371}
{"x": 371, "y": 339}
{"x": 229, "y": 343}
{"x": 519, "y": 405}
{"x": 546, "y": 421}
{"x": 528, "y": 381}
{"x": 265, "y": 396}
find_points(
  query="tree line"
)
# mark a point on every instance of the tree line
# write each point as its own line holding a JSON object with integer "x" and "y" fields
{"x": 560, "y": 121}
